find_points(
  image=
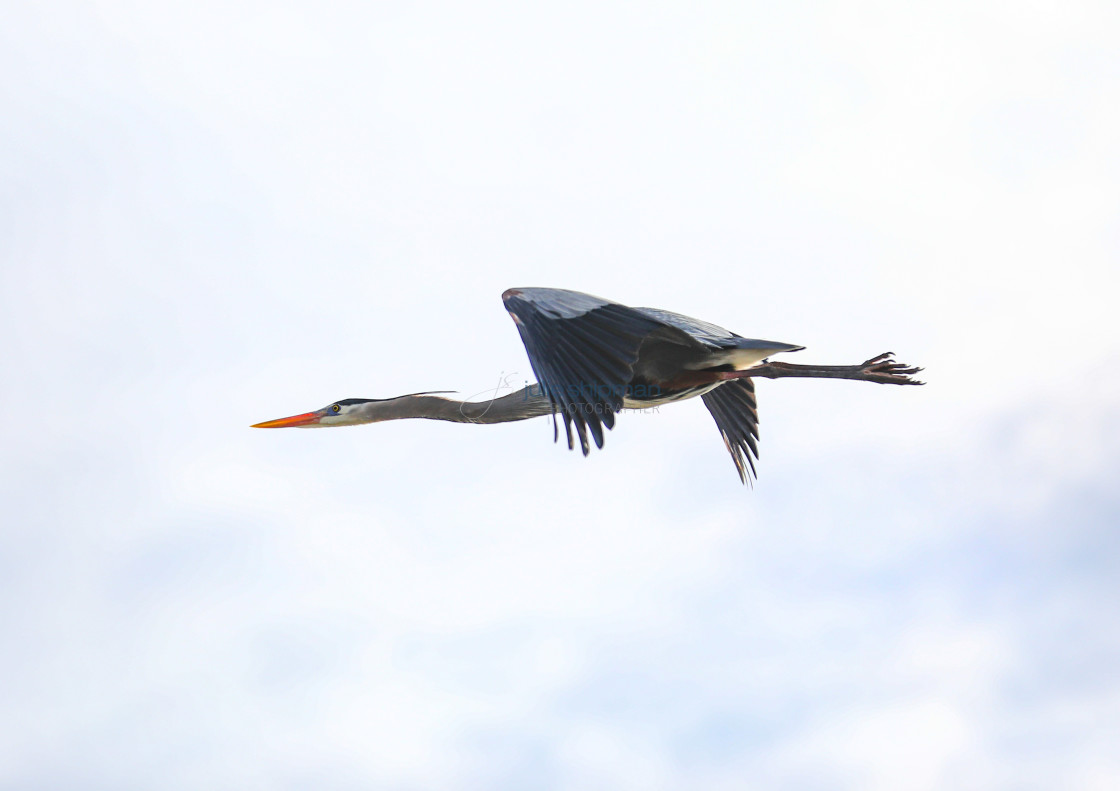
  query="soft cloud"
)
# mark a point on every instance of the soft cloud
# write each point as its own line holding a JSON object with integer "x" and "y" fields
{"x": 219, "y": 214}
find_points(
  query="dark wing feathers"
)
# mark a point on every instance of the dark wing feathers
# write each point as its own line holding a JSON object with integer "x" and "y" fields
{"x": 582, "y": 350}
{"x": 735, "y": 410}
{"x": 703, "y": 332}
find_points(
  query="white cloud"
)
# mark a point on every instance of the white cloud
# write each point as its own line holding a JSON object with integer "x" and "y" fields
{"x": 218, "y": 214}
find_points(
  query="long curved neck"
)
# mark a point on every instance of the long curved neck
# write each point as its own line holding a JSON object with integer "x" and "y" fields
{"x": 520, "y": 405}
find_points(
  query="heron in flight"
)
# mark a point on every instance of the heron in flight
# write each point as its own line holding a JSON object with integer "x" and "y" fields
{"x": 593, "y": 357}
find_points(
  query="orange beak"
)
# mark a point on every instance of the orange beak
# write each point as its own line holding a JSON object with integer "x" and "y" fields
{"x": 306, "y": 419}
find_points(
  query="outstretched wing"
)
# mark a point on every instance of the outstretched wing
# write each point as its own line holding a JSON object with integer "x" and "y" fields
{"x": 582, "y": 349}
{"x": 735, "y": 410}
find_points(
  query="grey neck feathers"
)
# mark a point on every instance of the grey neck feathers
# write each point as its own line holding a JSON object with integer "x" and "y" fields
{"x": 521, "y": 405}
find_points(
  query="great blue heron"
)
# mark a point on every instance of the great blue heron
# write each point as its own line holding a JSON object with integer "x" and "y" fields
{"x": 593, "y": 357}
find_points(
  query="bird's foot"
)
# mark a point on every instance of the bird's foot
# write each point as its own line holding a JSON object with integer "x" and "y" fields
{"x": 884, "y": 369}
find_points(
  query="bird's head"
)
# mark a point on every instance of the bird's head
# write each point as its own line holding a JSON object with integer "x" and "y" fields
{"x": 347, "y": 412}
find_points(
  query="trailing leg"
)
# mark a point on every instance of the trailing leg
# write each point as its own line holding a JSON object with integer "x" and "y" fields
{"x": 882, "y": 369}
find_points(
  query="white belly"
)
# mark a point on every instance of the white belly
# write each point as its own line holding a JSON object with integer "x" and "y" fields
{"x": 668, "y": 398}
{"x": 739, "y": 359}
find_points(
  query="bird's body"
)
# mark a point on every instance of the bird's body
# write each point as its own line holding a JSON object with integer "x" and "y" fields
{"x": 677, "y": 367}
{"x": 593, "y": 357}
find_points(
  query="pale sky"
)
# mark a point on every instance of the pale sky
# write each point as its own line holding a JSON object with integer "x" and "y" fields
{"x": 213, "y": 214}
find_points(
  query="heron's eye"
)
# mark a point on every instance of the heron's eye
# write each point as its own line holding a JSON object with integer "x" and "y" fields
{"x": 336, "y": 409}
